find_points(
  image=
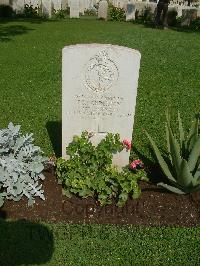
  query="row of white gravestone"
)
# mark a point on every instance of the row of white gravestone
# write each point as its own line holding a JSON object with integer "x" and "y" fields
{"x": 99, "y": 89}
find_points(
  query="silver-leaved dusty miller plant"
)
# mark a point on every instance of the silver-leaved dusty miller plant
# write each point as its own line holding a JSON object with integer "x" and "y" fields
{"x": 21, "y": 166}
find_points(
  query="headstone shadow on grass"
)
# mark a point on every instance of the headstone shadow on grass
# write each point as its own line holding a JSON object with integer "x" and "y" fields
{"x": 54, "y": 129}
{"x": 7, "y": 32}
{"x": 24, "y": 243}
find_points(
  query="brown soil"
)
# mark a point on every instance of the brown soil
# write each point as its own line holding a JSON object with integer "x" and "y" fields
{"x": 155, "y": 207}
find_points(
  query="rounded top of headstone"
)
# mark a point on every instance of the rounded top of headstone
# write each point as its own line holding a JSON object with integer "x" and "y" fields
{"x": 99, "y": 45}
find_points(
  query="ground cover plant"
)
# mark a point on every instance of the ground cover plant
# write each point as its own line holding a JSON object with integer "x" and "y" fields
{"x": 21, "y": 166}
{"x": 30, "y": 92}
{"x": 89, "y": 172}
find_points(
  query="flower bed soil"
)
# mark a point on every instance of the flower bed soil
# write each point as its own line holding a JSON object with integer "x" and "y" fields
{"x": 155, "y": 207}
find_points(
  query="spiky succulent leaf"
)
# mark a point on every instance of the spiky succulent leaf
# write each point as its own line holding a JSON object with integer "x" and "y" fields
{"x": 181, "y": 131}
{"x": 161, "y": 161}
{"x": 194, "y": 155}
{"x": 182, "y": 136}
{"x": 174, "y": 150}
{"x": 193, "y": 134}
{"x": 185, "y": 177}
{"x": 171, "y": 188}
{"x": 168, "y": 143}
{"x": 197, "y": 175}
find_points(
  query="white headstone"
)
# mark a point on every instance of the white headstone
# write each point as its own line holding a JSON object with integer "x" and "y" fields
{"x": 188, "y": 14}
{"x": 18, "y": 6}
{"x": 56, "y": 4}
{"x": 35, "y": 3}
{"x": 27, "y": 2}
{"x": 4, "y": 2}
{"x": 130, "y": 12}
{"x": 47, "y": 7}
{"x": 74, "y": 9}
{"x": 198, "y": 12}
{"x": 64, "y": 4}
{"x": 103, "y": 9}
{"x": 99, "y": 89}
{"x": 81, "y": 6}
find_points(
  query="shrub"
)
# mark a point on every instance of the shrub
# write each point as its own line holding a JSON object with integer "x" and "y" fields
{"x": 30, "y": 11}
{"x": 91, "y": 12}
{"x": 21, "y": 166}
{"x": 182, "y": 165}
{"x": 61, "y": 13}
{"x": 172, "y": 17}
{"x": 6, "y": 11}
{"x": 195, "y": 24}
{"x": 116, "y": 13}
{"x": 89, "y": 171}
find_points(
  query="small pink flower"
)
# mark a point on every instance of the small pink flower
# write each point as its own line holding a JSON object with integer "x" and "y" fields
{"x": 133, "y": 165}
{"x": 136, "y": 163}
{"x": 127, "y": 144}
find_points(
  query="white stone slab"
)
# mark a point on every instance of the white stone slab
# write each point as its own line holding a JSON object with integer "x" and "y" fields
{"x": 5, "y": 2}
{"x": 74, "y": 9}
{"x": 35, "y": 3}
{"x": 18, "y": 6}
{"x": 56, "y": 4}
{"x": 99, "y": 89}
{"x": 130, "y": 12}
{"x": 188, "y": 14}
{"x": 82, "y": 6}
{"x": 27, "y": 2}
{"x": 103, "y": 10}
{"x": 64, "y": 4}
{"x": 47, "y": 7}
{"x": 198, "y": 12}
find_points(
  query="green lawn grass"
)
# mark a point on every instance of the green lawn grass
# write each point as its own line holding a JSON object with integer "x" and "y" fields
{"x": 25, "y": 243}
{"x": 30, "y": 94}
{"x": 30, "y": 74}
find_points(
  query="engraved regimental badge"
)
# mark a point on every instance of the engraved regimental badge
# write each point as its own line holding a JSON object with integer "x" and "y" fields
{"x": 101, "y": 72}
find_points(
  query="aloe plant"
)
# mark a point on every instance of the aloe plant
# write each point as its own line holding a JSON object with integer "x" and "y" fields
{"x": 182, "y": 167}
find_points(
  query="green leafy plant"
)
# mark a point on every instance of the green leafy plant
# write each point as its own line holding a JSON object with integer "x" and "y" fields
{"x": 21, "y": 166}
{"x": 30, "y": 11}
{"x": 89, "y": 170}
{"x": 195, "y": 24}
{"x": 182, "y": 166}
{"x": 116, "y": 13}
{"x": 61, "y": 13}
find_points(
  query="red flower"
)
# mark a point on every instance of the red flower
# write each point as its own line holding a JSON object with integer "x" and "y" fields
{"x": 127, "y": 144}
{"x": 136, "y": 163}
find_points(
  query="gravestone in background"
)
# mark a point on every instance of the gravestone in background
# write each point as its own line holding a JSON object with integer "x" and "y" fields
{"x": 81, "y": 6}
{"x": 64, "y": 4}
{"x": 99, "y": 89}
{"x": 18, "y": 6}
{"x": 27, "y": 2}
{"x": 4, "y": 2}
{"x": 188, "y": 15}
{"x": 47, "y": 8}
{"x": 56, "y": 4}
{"x": 35, "y": 3}
{"x": 103, "y": 10}
{"x": 130, "y": 12}
{"x": 74, "y": 9}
